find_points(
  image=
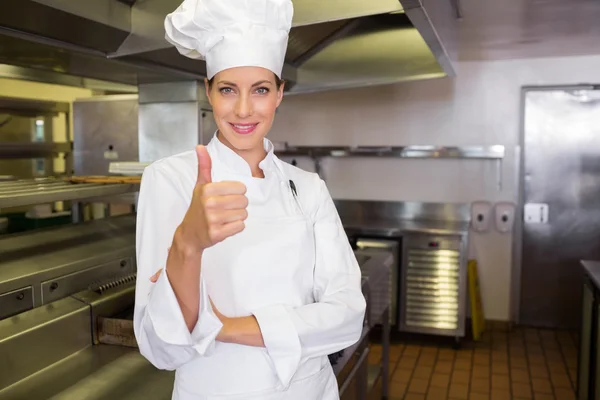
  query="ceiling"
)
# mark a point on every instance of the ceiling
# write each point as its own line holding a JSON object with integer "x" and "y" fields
{"x": 332, "y": 44}
{"x": 510, "y": 29}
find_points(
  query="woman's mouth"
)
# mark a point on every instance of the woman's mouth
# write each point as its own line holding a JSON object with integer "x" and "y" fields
{"x": 243, "y": 129}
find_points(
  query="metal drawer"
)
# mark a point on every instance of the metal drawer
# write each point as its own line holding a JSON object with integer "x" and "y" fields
{"x": 16, "y": 302}
{"x": 424, "y": 241}
{"x": 66, "y": 285}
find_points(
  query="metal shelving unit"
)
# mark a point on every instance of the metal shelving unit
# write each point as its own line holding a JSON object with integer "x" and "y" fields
{"x": 18, "y": 144}
{"x": 32, "y": 150}
{"x": 47, "y": 190}
{"x": 494, "y": 153}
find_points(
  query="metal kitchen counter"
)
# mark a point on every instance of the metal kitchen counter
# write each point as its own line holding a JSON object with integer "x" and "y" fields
{"x": 31, "y": 261}
{"x": 392, "y": 219}
{"x": 105, "y": 372}
{"x": 424, "y": 234}
{"x": 396, "y": 228}
{"x": 97, "y": 372}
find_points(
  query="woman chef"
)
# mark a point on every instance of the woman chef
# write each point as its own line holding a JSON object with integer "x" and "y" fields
{"x": 260, "y": 283}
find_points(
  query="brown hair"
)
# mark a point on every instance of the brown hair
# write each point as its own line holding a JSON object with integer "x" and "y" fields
{"x": 278, "y": 81}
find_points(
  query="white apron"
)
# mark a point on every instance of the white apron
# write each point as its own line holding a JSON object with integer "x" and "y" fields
{"x": 271, "y": 262}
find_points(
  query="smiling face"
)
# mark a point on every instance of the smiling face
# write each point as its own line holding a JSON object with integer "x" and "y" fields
{"x": 244, "y": 100}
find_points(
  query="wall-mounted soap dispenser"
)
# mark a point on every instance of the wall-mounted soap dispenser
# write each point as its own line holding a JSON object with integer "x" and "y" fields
{"x": 504, "y": 216}
{"x": 481, "y": 216}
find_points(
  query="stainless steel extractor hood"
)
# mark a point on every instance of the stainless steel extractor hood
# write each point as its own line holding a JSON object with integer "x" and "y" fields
{"x": 333, "y": 44}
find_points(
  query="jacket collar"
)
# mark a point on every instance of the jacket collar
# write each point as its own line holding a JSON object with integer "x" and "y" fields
{"x": 230, "y": 161}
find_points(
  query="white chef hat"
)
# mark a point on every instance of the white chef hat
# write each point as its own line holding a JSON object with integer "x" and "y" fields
{"x": 232, "y": 33}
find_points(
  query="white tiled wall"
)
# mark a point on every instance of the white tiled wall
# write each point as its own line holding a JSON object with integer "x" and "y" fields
{"x": 479, "y": 107}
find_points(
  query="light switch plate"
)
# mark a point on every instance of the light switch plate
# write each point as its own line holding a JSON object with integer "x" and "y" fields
{"x": 536, "y": 213}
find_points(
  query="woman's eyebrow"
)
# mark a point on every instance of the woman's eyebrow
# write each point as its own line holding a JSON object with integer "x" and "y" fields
{"x": 227, "y": 83}
{"x": 261, "y": 83}
{"x": 253, "y": 85}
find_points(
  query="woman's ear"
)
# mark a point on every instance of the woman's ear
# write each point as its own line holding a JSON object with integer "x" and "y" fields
{"x": 280, "y": 93}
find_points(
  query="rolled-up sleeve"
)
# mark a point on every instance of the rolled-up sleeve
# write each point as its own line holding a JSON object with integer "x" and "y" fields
{"x": 335, "y": 320}
{"x": 160, "y": 329}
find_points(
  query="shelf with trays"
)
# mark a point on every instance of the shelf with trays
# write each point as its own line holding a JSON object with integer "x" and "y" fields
{"x": 27, "y": 131}
{"x": 47, "y": 190}
{"x": 19, "y": 150}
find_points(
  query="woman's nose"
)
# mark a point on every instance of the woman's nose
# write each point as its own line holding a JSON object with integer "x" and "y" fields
{"x": 244, "y": 106}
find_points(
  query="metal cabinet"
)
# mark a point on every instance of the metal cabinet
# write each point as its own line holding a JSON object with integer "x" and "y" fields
{"x": 588, "y": 374}
{"x": 433, "y": 297}
{"x": 586, "y": 343}
{"x": 596, "y": 355}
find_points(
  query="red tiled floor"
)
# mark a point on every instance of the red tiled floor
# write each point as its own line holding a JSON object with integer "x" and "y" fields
{"x": 520, "y": 363}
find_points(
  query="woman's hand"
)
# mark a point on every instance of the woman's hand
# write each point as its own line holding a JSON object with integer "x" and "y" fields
{"x": 154, "y": 278}
{"x": 227, "y": 322}
{"x": 216, "y": 212}
{"x": 242, "y": 330}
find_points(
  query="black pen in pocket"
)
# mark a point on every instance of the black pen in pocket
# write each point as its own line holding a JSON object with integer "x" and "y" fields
{"x": 293, "y": 187}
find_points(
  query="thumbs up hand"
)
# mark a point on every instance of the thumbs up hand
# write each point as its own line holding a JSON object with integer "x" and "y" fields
{"x": 217, "y": 210}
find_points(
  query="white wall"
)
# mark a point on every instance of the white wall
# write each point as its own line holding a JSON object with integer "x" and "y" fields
{"x": 479, "y": 107}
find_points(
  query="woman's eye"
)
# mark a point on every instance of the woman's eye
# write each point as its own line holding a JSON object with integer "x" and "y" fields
{"x": 262, "y": 90}
{"x": 226, "y": 90}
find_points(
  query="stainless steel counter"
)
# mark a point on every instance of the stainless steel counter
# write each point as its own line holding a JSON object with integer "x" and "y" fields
{"x": 106, "y": 372}
{"x": 48, "y": 264}
{"x": 396, "y": 228}
{"x": 432, "y": 237}
{"x": 393, "y": 219}
{"x": 97, "y": 372}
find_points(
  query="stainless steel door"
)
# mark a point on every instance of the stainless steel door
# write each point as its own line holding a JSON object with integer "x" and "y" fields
{"x": 561, "y": 196}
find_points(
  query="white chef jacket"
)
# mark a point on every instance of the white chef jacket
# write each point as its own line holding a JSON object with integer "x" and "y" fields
{"x": 292, "y": 268}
